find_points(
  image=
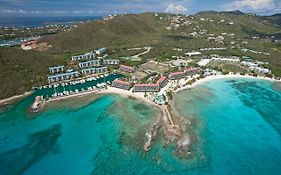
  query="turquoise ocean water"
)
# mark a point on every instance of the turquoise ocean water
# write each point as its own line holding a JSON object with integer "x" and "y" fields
{"x": 237, "y": 124}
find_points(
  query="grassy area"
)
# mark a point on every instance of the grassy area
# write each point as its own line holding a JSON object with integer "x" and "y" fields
{"x": 233, "y": 68}
{"x": 20, "y": 70}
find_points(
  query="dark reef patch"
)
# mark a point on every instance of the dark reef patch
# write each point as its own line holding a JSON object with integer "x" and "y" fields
{"x": 142, "y": 109}
{"x": 17, "y": 161}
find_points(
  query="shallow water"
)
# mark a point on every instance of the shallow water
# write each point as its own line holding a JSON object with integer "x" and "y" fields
{"x": 237, "y": 123}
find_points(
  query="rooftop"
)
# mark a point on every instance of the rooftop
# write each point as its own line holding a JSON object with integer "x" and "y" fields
{"x": 148, "y": 85}
{"x": 191, "y": 69}
{"x": 176, "y": 73}
{"x": 63, "y": 74}
{"x": 121, "y": 82}
{"x": 56, "y": 67}
{"x": 128, "y": 67}
{"x": 161, "y": 79}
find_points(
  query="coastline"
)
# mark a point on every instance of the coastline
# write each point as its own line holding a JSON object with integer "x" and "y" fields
{"x": 138, "y": 96}
{"x": 14, "y": 98}
{"x": 217, "y": 77}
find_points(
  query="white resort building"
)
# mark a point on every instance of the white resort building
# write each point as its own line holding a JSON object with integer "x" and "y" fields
{"x": 92, "y": 63}
{"x": 111, "y": 62}
{"x": 86, "y": 56}
{"x": 101, "y": 51}
{"x": 63, "y": 76}
{"x": 56, "y": 69}
{"x": 94, "y": 70}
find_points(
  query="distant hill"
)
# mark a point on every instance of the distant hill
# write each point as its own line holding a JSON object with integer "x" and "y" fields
{"x": 123, "y": 30}
{"x": 236, "y": 12}
{"x": 143, "y": 29}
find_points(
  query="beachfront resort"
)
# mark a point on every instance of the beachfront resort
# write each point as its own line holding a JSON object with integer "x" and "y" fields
{"x": 155, "y": 82}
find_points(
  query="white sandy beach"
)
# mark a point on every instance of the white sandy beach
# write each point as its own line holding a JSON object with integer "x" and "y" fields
{"x": 216, "y": 77}
{"x": 125, "y": 93}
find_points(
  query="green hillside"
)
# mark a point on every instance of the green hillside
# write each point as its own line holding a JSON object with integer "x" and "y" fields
{"x": 20, "y": 70}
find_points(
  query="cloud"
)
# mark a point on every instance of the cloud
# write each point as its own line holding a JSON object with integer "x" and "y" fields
{"x": 250, "y": 5}
{"x": 177, "y": 9}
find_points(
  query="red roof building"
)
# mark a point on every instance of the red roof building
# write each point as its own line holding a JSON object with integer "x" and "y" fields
{"x": 127, "y": 68}
{"x": 146, "y": 88}
{"x": 191, "y": 71}
{"x": 162, "y": 81}
{"x": 121, "y": 84}
{"x": 177, "y": 75}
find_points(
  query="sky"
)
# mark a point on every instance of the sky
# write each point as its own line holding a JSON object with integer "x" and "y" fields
{"x": 105, "y": 7}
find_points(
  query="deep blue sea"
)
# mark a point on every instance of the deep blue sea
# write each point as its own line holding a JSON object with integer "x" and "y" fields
{"x": 237, "y": 124}
{"x": 40, "y": 21}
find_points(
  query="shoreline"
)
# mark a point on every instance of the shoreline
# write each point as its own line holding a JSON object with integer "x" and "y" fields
{"x": 139, "y": 96}
{"x": 9, "y": 100}
{"x": 218, "y": 77}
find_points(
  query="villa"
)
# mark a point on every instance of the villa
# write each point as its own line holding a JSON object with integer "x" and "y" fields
{"x": 111, "y": 62}
{"x": 86, "y": 56}
{"x": 177, "y": 75}
{"x": 63, "y": 76}
{"x": 92, "y": 63}
{"x": 94, "y": 70}
{"x": 146, "y": 88}
{"x": 162, "y": 81}
{"x": 127, "y": 68}
{"x": 56, "y": 69}
{"x": 121, "y": 84}
{"x": 101, "y": 51}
